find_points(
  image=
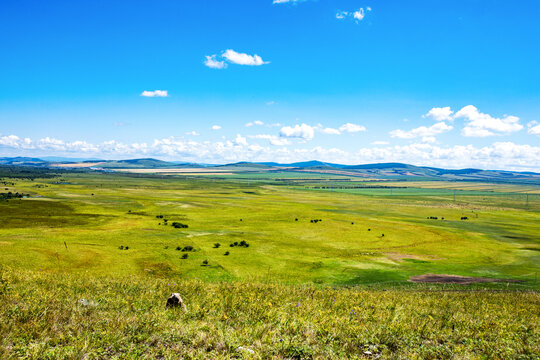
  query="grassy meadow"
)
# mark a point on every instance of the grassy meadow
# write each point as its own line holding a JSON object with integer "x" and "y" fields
{"x": 335, "y": 288}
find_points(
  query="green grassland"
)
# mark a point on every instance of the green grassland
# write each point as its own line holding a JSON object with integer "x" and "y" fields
{"x": 332, "y": 289}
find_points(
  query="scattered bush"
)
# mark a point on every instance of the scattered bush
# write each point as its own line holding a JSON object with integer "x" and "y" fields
{"x": 242, "y": 243}
{"x": 226, "y": 253}
{"x": 188, "y": 248}
{"x": 159, "y": 216}
{"x": 205, "y": 263}
{"x": 178, "y": 225}
{"x": 217, "y": 245}
{"x": 184, "y": 256}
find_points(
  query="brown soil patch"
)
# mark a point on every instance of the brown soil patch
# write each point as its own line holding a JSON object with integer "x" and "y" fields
{"x": 453, "y": 279}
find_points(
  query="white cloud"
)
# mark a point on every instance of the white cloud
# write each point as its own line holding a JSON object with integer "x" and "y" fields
{"x": 216, "y": 127}
{"x": 440, "y": 114}
{"x": 303, "y": 131}
{"x": 379, "y": 143}
{"x": 242, "y": 58}
{"x": 351, "y": 128}
{"x": 155, "y": 93}
{"x": 421, "y": 131}
{"x": 256, "y": 122}
{"x": 482, "y": 125}
{"x": 357, "y": 15}
{"x": 270, "y": 103}
{"x": 240, "y": 140}
{"x": 429, "y": 139}
{"x": 273, "y": 139}
{"x": 285, "y": 1}
{"x": 213, "y": 63}
{"x": 193, "y": 133}
{"x": 534, "y": 128}
{"x": 330, "y": 131}
{"x": 499, "y": 155}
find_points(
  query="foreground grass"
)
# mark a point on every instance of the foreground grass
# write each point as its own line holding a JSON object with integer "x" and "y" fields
{"x": 42, "y": 317}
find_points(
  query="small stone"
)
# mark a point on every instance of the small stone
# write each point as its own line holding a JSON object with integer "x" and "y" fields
{"x": 175, "y": 300}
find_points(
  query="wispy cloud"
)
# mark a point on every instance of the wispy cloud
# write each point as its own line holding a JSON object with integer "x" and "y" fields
{"x": 273, "y": 139}
{"x": 213, "y": 63}
{"x": 155, "y": 93}
{"x": 193, "y": 133}
{"x": 216, "y": 127}
{"x": 356, "y": 15}
{"x": 352, "y": 128}
{"x": 330, "y": 131}
{"x": 256, "y": 122}
{"x": 422, "y": 131}
{"x": 286, "y": 1}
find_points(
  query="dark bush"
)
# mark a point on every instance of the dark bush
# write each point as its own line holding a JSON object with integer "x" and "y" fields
{"x": 121, "y": 247}
{"x": 226, "y": 253}
{"x": 178, "y": 225}
{"x": 216, "y": 245}
{"x": 187, "y": 248}
{"x": 184, "y": 256}
{"x": 205, "y": 263}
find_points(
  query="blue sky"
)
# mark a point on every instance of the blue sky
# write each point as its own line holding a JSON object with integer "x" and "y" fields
{"x": 445, "y": 83}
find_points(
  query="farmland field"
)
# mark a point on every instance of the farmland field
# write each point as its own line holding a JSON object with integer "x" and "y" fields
{"x": 264, "y": 264}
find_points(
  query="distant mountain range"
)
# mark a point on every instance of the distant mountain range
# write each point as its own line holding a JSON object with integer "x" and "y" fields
{"x": 396, "y": 171}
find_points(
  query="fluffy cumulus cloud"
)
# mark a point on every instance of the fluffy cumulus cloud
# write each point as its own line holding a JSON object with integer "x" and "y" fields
{"x": 352, "y": 128}
{"x": 155, "y": 93}
{"x": 233, "y": 57}
{"x": 240, "y": 140}
{"x": 356, "y": 15}
{"x": 422, "y": 131}
{"x": 303, "y": 131}
{"x": 481, "y": 125}
{"x": 440, "y": 114}
{"x": 500, "y": 155}
{"x": 243, "y": 59}
{"x": 534, "y": 128}
{"x": 215, "y": 127}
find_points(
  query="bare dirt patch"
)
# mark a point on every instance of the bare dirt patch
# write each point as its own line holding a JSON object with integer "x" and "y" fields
{"x": 454, "y": 279}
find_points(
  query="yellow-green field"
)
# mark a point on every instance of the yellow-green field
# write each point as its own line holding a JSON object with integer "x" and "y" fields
{"x": 334, "y": 288}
